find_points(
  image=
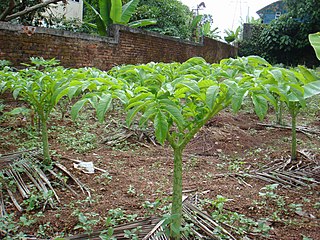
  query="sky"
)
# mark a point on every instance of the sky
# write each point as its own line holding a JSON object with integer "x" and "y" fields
{"x": 227, "y": 14}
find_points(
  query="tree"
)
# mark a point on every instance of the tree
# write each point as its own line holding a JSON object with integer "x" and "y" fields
{"x": 173, "y": 18}
{"x": 25, "y": 10}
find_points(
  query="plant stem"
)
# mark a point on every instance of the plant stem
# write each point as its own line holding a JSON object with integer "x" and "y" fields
{"x": 177, "y": 194}
{"x": 45, "y": 142}
{"x": 293, "y": 113}
{"x": 279, "y": 113}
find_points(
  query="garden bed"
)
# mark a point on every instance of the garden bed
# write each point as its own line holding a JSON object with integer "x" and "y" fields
{"x": 138, "y": 178}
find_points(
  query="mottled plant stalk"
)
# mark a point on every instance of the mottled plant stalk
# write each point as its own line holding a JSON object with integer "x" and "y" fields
{"x": 293, "y": 113}
{"x": 177, "y": 194}
{"x": 45, "y": 141}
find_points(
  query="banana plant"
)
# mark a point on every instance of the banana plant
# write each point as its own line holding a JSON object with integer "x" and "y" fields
{"x": 315, "y": 42}
{"x": 113, "y": 12}
{"x": 232, "y": 35}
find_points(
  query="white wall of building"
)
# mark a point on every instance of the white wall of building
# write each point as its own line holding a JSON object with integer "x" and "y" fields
{"x": 72, "y": 10}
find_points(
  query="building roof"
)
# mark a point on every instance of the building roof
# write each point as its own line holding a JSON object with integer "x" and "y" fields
{"x": 277, "y": 6}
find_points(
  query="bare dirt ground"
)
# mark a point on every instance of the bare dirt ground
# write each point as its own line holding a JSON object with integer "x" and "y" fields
{"x": 138, "y": 171}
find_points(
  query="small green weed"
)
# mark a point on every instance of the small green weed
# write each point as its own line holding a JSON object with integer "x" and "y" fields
{"x": 86, "y": 221}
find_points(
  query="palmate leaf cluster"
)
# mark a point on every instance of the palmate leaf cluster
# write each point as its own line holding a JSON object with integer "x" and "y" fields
{"x": 177, "y": 98}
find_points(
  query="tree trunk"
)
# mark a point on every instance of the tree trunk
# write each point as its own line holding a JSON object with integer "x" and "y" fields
{"x": 177, "y": 195}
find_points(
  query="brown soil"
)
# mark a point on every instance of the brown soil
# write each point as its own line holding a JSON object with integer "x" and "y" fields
{"x": 228, "y": 143}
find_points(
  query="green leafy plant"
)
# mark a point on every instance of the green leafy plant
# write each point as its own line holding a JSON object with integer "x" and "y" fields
{"x": 86, "y": 221}
{"x": 41, "y": 86}
{"x": 231, "y": 35}
{"x": 179, "y": 100}
{"x": 293, "y": 87}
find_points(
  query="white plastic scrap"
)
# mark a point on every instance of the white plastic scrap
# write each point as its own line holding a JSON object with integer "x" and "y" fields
{"x": 86, "y": 167}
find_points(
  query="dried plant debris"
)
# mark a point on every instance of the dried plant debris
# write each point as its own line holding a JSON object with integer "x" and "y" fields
{"x": 202, "y": 226}
{"x": 22, "y": 178}
{"x": 118, "y": 133}
{"x": 303, "y": 172}
{"x": 144, "y": 226}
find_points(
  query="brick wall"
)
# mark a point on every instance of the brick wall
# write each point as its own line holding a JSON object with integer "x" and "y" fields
{"x": 123, "y": 46}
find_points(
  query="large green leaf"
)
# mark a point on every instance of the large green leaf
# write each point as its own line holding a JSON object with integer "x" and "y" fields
{"x": 315, "y": 42}
{"x": 116, "y": 11}
{"x": 161, "y": 127}
{"x": 311, "y": 89}
{"x": 103, "y": 106}
{"x": 77, "y": 107}
{"x": 196, "y": 21}
{"x": 237, "y": 99}
{"x": 139, "y": 106}
{"x": 16, "y": 92}
{"x": 175, "y": 114}
{"x": 211, "y": 95}
{"x": 59, "y": 93}
{"x": 105, "y": 9}
{"x": 148, "y": 115}
{"x": 277, "y": 74}
{"x": 191, "y": 84}
{"x": 101, "y": 23}
{"x": 260, "y": 105}
{"x": 128, "y": 10}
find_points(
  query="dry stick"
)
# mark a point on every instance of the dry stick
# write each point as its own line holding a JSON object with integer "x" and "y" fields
{"x": 14, "y": 200}
{"x": 307, "y": 155}
{"x": 64, "y": 183}
{"x": 41, "y": 183}
{"x": 289, "y": 178}
{"x": 30, "y": 9}
{"x": 2, "y": 206}
{"x": 159, "y": 224}
{"x": 275, "y": 179}
{"x": 76, "y": 180}
{"x": 78, "y": 161}
{"x": 46, "y": 180}
{"x": 199, "y": 224}
{"x": 23, "y": 184}
{"x": 20, "y": 188}
{"x": 299, "y": 128}
{"x": 300, "y": 175}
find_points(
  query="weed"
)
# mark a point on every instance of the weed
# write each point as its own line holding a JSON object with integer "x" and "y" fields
{"x": 151, "y": 207}
{"x": 131, "y": 190}
{"x": 86, "y": 221}
{"x": 133, "y": 234}
{"x": 104, "y": 178}
{"x": 316, "y": 205}
{"x": 107, "y": 234}
{"x": 37, "y": 199}
{"x": 241, "y": 224}
{"x": 43, "y": 229}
